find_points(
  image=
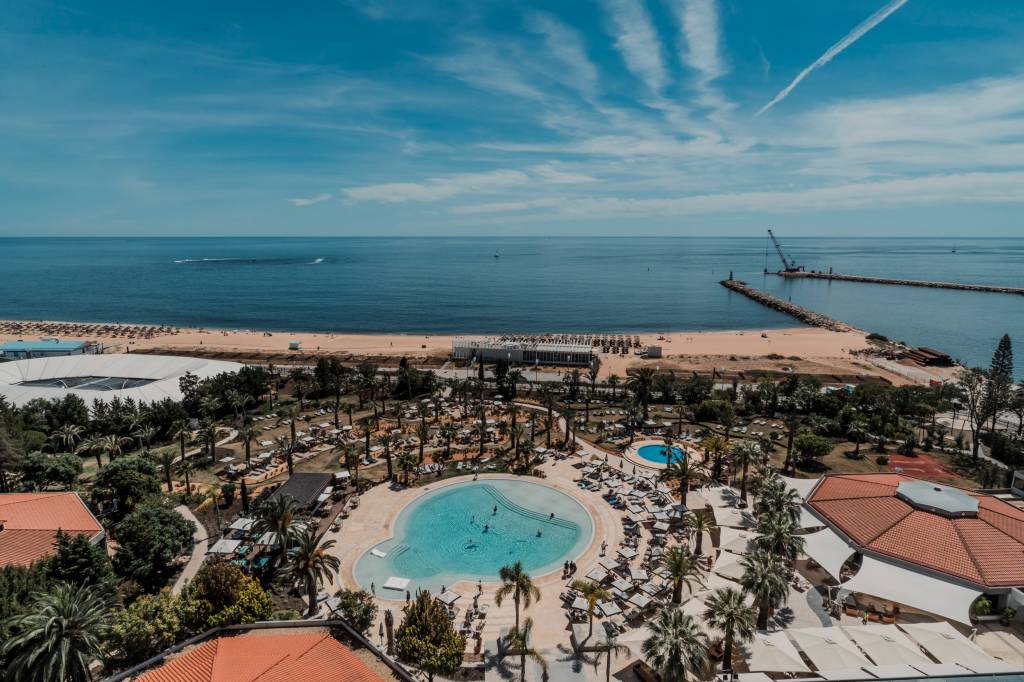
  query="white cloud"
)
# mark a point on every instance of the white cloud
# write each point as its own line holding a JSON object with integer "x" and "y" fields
{"x": 300, "y": 201}
{"x": 702, "y": 35}
{"x": 849, "y": 39}
{"x": 557, "y": 174}
{"x": 638, "y": 42}
{"x": 566, "y": 46}
{"x": 438, "y": 189}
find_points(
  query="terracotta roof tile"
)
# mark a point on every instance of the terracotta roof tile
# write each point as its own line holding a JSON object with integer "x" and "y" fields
{"x": 30, "y": 522}
{"x": 987, "y": 550}
{"x": 266, "y": 656}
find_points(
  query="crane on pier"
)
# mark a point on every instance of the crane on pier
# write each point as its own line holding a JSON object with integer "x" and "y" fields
{"x": 788, "y": 264}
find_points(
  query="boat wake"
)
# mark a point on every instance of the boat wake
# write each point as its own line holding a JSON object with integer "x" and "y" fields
{"x": 250, "y": 261}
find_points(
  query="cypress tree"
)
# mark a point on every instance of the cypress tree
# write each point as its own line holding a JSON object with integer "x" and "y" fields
{"x": 1000, "y": 379}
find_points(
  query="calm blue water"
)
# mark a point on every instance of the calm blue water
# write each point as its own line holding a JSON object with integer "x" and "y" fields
{"x": 442, "y": 285}
{"x": 656, "y": 453}
{"x": 441, "y": 538}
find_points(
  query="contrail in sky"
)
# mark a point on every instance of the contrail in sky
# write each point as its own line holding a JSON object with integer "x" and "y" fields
{"x": 847, "y": 40}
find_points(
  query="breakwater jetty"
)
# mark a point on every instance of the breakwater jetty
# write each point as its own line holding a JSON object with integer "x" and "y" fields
{"x": 775, "y": 303}
{"x": 905, "y": 282}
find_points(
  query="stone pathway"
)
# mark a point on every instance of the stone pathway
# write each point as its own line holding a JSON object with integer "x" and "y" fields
{"x": 199, "y": 545}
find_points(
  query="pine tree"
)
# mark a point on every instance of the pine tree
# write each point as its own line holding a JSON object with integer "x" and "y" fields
{"x": 1000, "y": 380}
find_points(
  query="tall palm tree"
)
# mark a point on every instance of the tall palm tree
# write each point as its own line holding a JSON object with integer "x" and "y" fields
{"x": 715, "y": 448}
{"x": 683, "y": 568}
{"x": 208, "y": 438}
{"x": 185, "y": 469}
{"x": 386, "y": 440}
{"x": 180, "y": 429}
{"x": 422, "y": 434}
{"x": 310, "y": 563}
{"x": 727, "y": 611}
{"x": 610, "y": 649}
{"x": 518, "y": 641}
{"x": 144, "y": 435}
{"x": 857, "y": 431}
{"x": 248, "y": 435}
{"x": 112, "y": 445}
{"x": 67, "y": 435}
{"x": 518, "y": 584}
{"x": 278, "y": 515}
{"x": 165, "y": 458}
{"x": 778, "y": 534}
{"x": 58, "y": 636}
{"x": 743, "y": 454}
{"x": 209, "y": 405}
{"x": 764, "y": 576}
{"x": 238, "y": 402}
{"x": 448, "y": 433}
{"x": 613, "y": 380}
{"x": 406, "y": 464}
{"x": 641, "y": 385}
{"x": 677, "y": 645}
{"x": 685, "y": 472}
{"x": 594, "y": 594}
{"x": 698, "y": 524}
{"x": 94, "y": 447}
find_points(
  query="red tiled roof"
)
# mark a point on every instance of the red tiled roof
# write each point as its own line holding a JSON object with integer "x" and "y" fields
{"x": 30, "y": 522}
{"x": 266, "y": 656}
{"x": 987, "y": 550}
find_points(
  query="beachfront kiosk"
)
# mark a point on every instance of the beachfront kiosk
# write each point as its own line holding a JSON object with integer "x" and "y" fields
{"x": 523, "y": 352}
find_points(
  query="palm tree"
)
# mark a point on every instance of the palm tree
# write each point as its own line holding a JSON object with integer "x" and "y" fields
{"x": 422, "y": 434}
{"x": 685, "y": 472}
{"x": 248, "y": 435}
{"x": 594, "y": 594}
{"x": 613, "y": 381}
{"x": 67, "y": 435}
{"x": 744, "y": 453}
{"x": 144, "y": 435}
{"x": 237, "y": 401}
{"x": 180, "y": 429}
{"x": 209, "y": 405}
{"x": 94, "y": 447}
{"x": 165, "y": 458}
{"x": 610, "y": 649}
{"x": 698, "y": 524}
{"x": 727, "y": 611}
{"x": 185, "y": 469}
{"x": 683, "y": 567}
{"x": 764, "y": 576}
{"x": 278, "y": 515}
{"x": 386, "y": 440}
{"x": 58, "y": 636}
{"x": 517, "y": 583}
{"x": 715, "y": 448}
{"x": 641, "y": 385}
{"x": 676, "y": 645}
{"x": 448, "y": 433}
{"x": 857, "y": 431}
{"x": 208, "y": 438}
{"x": 310, "y": 563}
{"x": 778, "y": 535}
{"x": 407, "y": 462}
{"x": 112, "y": 445}
{"x": 518, "y": 641}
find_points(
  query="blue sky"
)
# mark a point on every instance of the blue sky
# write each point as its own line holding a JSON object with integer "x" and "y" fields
{"x": 611, "y": 117}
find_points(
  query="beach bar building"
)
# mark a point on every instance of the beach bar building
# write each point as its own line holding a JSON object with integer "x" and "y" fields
{"x": 523, "y": 352}
{"x": 44, "y": 348}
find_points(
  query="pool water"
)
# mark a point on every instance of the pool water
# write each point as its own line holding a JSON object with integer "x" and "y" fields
{"x": 656, "y": 453}
{"x": 454, "y": 533}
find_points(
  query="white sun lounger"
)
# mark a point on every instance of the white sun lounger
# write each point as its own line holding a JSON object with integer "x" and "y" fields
{"x": 378, "y": 553}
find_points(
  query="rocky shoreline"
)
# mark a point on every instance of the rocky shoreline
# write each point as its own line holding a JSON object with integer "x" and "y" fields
{"x": 799, "y": 312}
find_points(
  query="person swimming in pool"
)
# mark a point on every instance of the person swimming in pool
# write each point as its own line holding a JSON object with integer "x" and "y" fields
{"x": 487, "y": 527}
{"x": 538, "y": 532}
{"x": 552, "y": 516}
{"x": 495, "y": 510}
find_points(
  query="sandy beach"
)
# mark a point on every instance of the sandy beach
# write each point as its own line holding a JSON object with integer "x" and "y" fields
{"x": 805, "y": 350}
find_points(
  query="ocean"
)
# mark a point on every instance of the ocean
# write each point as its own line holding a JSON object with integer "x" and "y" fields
{"x": 484, "y": 285}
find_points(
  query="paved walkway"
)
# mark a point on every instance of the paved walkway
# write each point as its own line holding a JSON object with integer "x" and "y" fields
{"x": 199, "y": 544}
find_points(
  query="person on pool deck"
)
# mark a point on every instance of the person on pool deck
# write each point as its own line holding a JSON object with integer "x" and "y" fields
{"x": 552, "y": 516}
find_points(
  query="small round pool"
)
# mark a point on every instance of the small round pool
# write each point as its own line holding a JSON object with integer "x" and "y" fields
{"x": 469, "y": 530}
{"x": 657, "y": 453}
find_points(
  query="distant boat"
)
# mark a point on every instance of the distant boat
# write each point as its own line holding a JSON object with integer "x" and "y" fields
{"x": 497, "y": 255}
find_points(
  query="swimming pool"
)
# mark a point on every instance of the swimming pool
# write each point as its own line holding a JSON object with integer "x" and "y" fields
{"x": 454, "y": 533}
{"x": 656, "y": 453}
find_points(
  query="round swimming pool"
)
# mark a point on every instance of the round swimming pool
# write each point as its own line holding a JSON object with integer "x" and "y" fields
{"x": 657, "y": 453}
{"x": 469, "y": 530}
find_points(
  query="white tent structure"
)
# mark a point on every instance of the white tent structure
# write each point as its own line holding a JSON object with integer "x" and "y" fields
{"x": 803, "y": 486}
{"x": 886, "y": 644}
{"x": 828, "y": 549}
{"x": 946, "y": 644}
{"x": 732, "y": 517}
{"x": 773, "y": 652}
{"x": 893, "y": 672}
{"x": 828, "y": 648}
{"x": 809, "y": 520}
{"x": 914, "y": 589}
{"x": 736, "y": 541}
{"x": 728, "y": 565}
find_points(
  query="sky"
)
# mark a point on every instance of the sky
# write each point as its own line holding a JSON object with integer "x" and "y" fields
{"x": 605, "y": 117}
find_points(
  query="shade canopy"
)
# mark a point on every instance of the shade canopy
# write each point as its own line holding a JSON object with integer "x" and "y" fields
{"x": 828, "y": 648}
{"x": 886, "y": 644}
{"x": 802, "y": 486}
{"x": 894, "y": 672}
{"x": 773, "y": 652}
{"x": 721, "y": 496}
{"x": 920, "y": 591}
{"x": 448, "y": 597}
{"x": 828, "y": 549}
{"x": 728, "y": 566}
{"x": 809, "y": 520}
{"x": 732, "y": 517}
{"x": 736, "y": 540}
{"x": 946, "y": 644}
